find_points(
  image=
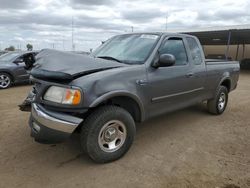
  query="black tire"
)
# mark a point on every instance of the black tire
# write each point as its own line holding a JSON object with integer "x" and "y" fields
{"x": 92, "y": 130}
{"x": 215, "y": 105}
{"x": 4, "y": 77}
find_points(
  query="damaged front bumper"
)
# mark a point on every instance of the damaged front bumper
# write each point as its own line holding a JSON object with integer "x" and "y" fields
{"x": 51, "y": 127}
{"x": 26, "y": 104}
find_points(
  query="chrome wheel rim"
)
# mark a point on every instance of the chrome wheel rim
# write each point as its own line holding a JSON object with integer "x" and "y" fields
{"x": 4, "y": 81}
{"x": 222, "y": 101}
{"x": 112, "y": 136}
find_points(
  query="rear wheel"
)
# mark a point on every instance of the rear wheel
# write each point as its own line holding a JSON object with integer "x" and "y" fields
{"x": 218, "y": 105}
{"x": 107, "y": 133}
{"x": 5, "y": 80}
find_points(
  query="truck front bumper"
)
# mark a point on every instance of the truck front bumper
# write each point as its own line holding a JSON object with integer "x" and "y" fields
{"x": 51, "y": 127}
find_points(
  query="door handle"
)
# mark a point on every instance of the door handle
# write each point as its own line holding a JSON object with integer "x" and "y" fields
{"x": 141, "y": 82}
{"x": 190, "y": 75}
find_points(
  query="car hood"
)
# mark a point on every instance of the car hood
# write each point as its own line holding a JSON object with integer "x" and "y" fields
{"x": 65, "y": 66}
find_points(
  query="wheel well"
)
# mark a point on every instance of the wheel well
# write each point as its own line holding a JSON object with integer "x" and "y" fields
{"x": 227, "y": 84}
{"x": 11, "y": 76}
{"x": 127, "y": 103}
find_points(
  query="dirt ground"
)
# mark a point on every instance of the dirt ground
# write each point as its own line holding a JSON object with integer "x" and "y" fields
{"x": 188, "y": 148}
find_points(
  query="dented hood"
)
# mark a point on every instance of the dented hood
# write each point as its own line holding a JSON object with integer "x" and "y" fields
{"x": 66, "y": 66}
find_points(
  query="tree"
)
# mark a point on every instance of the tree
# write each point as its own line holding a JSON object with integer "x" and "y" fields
{"x": 29, "y": 47}
{"x": 10, "y": 48}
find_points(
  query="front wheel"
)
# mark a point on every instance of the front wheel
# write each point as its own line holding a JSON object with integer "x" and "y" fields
{"x": 218, "y": 105}
{"x": 107, "y": 133}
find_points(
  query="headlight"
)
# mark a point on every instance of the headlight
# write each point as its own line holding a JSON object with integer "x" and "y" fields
{"x": 63, "y": 95}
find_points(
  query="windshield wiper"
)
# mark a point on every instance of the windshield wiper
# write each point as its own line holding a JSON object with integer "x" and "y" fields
{"x": 109, "y": 58}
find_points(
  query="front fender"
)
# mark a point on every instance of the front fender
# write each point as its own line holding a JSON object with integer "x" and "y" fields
{"x": 120, "y": 93}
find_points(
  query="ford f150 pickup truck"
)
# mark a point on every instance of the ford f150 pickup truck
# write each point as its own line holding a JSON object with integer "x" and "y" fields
{"x": 128, "y": 79}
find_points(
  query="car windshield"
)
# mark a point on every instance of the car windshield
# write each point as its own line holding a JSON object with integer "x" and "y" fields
{"x": 9, "y": 56}
{"x": 129, "y": 48}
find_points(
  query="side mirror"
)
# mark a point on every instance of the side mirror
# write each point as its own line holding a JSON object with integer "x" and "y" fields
{"x": 165, "y": 60}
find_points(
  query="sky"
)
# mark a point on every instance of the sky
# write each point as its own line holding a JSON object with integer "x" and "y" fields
{"x": 48, "y": 23}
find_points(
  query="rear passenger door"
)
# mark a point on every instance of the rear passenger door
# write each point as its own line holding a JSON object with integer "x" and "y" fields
{"x": 198, "y": 67}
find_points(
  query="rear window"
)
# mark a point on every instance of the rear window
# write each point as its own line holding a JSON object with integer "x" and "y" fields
{"x": 9, "y": 56}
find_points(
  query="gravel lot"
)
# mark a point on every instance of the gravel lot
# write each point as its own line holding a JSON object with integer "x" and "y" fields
{"x": 188, "y": 148}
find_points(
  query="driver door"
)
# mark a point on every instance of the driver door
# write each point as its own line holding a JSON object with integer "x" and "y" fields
{"x": 21, "y": 73}
{"x": 170, "y": 87}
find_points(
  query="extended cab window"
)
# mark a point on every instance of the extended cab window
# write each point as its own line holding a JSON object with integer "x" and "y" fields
{"x": 195, "y": 51}
{"x": 175, "y": 46}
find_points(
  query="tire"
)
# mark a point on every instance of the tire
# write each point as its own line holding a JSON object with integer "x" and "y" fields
{"x": 218, "y": 104}
{"x": 5, "y": 80}
{"x": 107, "y": 133}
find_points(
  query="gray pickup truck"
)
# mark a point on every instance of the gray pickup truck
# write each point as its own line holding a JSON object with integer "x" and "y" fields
{"x": 128, "y": 79}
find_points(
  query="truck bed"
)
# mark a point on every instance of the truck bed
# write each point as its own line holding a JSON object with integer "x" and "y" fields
{"x": 217, "y": 69}
{"x": 219, "y": 61}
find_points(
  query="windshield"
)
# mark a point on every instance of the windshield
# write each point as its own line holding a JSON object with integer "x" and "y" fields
{"x": 130, "y": 48}
{"x": 9, "y": 56}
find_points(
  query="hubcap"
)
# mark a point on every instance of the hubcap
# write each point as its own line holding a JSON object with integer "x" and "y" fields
{"x": 112, "y": 136}
{"x": 222, "y": 101}
{"x": 4, "y": 81}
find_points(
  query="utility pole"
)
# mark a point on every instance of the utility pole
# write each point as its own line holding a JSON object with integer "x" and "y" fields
{"x": 132, "y": 29}
{"x": 63, "y": 42}
{"x": 72, "y": 33}
{"x": 167, "y": 22}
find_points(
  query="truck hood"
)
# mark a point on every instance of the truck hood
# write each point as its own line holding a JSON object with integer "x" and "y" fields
{"x": 65, "y": 66}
